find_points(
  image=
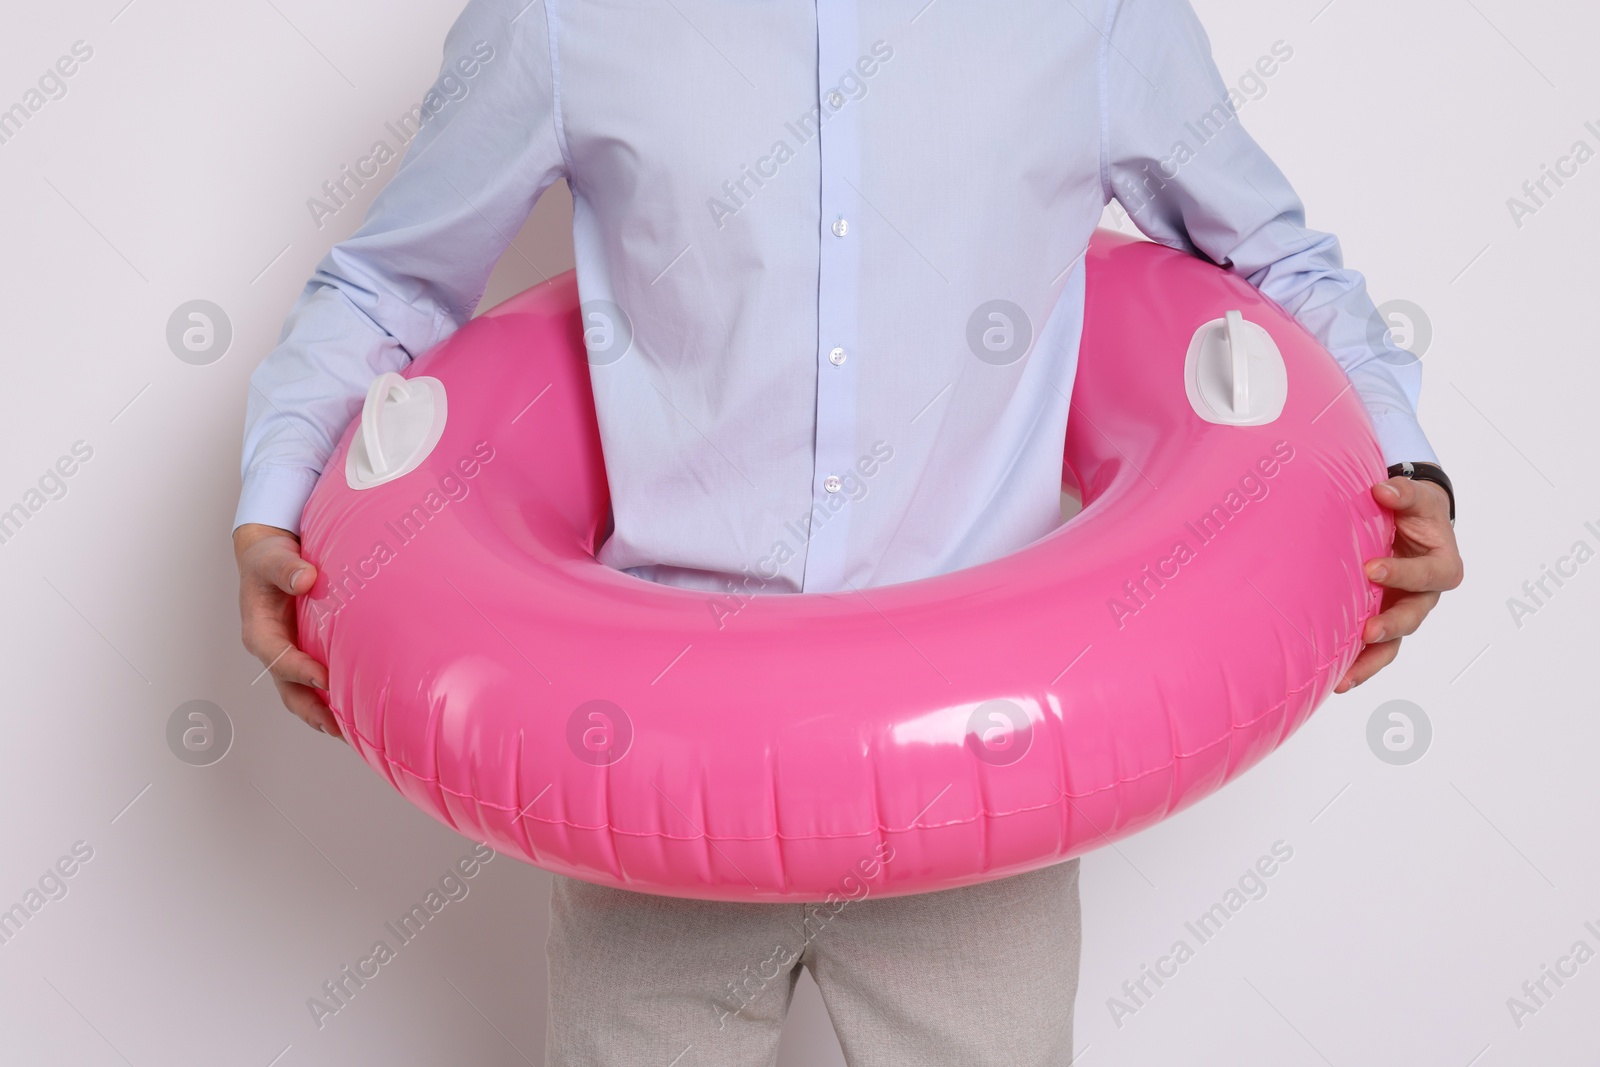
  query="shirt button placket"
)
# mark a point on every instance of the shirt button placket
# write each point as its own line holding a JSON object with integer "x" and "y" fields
{"x": 837, "y": 296}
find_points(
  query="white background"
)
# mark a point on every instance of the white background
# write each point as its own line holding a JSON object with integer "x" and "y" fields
{"x": 218, "y": 899}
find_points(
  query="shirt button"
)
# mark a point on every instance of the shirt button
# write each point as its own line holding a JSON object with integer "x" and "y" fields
{"x": 833, "y": 484}
{"x": 836, "y": 357}
{"x": 840, "y": 227}
{"x": 836, "y": 98}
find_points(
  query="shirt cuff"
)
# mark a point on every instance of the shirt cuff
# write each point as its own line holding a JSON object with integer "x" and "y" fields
{"x": 1401, "y": 439}
{"x": 275, "y": 496}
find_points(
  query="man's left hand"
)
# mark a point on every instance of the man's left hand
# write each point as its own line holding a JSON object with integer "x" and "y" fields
{"x": 1425, "y": 563}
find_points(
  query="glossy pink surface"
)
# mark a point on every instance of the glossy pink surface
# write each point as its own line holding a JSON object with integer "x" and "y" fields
{"x": 825, "y": 744}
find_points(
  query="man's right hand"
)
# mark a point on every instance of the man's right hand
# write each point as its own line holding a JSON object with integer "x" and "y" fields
{"x": 271, "y": 573}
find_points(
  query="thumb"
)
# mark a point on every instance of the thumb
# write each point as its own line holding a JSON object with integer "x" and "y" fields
{"x": 283, "y": 566}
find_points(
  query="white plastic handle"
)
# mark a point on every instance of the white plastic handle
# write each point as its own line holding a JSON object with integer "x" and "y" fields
{"x": 1239, "y": 348}
{"x": 1234, "y": 373}
{"x": 382, "y": 389}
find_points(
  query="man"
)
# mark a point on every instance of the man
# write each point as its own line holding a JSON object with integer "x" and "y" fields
{"x": 796, "y": 211}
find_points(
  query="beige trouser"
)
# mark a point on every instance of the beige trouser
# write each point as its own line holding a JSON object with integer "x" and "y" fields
{"x": 981, "y": 975}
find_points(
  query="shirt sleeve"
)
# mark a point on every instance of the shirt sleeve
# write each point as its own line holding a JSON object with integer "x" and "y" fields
{"x": 1178, "y": 159}
{"x": 487, "y": 148}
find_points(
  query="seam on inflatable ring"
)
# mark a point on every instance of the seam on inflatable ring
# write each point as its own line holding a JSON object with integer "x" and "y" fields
{"x": 1316, "y": 674}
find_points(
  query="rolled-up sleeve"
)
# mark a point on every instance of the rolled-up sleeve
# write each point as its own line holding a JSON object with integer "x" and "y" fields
{"x": 487, "y": 149}
{"x": 1178, "y": 159}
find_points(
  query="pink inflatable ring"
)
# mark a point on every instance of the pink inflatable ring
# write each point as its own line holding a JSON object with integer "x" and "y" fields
{"x": 968, "y": 726}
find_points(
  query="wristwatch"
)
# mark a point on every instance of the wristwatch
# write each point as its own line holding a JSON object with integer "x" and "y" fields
{"x": 1428, "y": 472}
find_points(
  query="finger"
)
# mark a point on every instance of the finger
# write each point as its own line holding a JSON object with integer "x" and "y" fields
{"x": 1407, "y": 496}
{"x": 269, "y": 633}
{"x": 276, "y": 561}
{"x": 269, "y": 638}
{"x": 293, "y": 665}
{"x": 1399, "y": 619}
{"x": 1372, "y": 659}
{"x": 1431, "y": 573}
{"x": 305, "y": 703}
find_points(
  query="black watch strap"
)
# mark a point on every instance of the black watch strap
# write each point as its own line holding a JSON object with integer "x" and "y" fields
{"x": 1427, "y": 472}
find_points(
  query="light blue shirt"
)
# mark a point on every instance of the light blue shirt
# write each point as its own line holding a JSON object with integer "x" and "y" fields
{"x": 830, "y": 254}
